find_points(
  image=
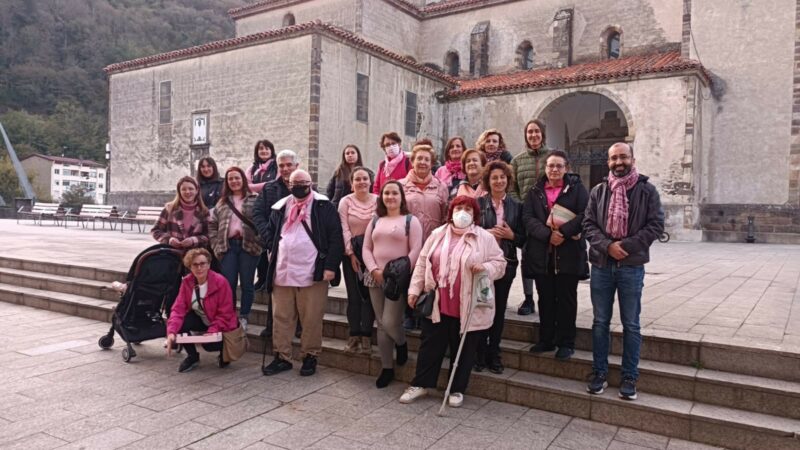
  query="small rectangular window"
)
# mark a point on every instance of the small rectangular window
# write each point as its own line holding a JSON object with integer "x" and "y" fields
{"x": 411, "y": 114}
{"x": 101, "y": 175}
{"x": 362, "y": 97}
{"x": 165, "y": 103}
{"x": 56, "y": 171}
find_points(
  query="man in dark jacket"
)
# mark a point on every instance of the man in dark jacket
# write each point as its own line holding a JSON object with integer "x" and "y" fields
{"x": 622, "y": 220}
{"x": 304, "y": 235}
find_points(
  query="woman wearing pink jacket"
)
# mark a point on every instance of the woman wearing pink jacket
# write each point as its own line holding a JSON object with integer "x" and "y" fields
{"x": 450, "y": 259}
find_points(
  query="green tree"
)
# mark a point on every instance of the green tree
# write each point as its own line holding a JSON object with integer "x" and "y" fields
{"x": 76, "y": 196}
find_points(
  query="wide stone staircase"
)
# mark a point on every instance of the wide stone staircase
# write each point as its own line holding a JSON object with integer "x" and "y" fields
{"x": 705, "y": 390}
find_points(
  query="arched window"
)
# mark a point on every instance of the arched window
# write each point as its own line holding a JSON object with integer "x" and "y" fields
{"x": 288, "y": 20}
{"x": 525, "y": 56}
{"x": 613, "y": 45}
{"x": 452, "y": 64}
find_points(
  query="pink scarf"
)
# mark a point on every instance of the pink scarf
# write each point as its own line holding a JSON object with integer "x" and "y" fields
{"x": 391, "y": 164}
{"x": 298, "y": 210}
{"x": 454, "y": 167}
{"x": 262, "y": 168}
{"x": 617, "y": 224}
{"x": 449, "y": 272}
{"x": 412, "y": 177}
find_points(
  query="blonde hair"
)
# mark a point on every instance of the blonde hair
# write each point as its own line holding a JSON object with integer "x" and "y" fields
{"x": 480, "y": 144}
{"x": 423, "y": 148}
{"x": 189, "y": 257}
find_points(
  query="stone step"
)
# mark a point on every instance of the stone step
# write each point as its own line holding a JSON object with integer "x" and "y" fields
{"x": 67, "y": 270}
{"x": 59, "y": 283}
{"x": 74, "y": 305}
{"x": 684, "y": 419}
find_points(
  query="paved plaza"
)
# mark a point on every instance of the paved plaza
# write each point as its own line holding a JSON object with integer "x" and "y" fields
{"x": 744, "y": 294}
{"x": 60, "y": 390}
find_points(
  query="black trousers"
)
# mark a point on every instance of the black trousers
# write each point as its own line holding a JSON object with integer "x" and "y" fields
{"x": 193, "y": 322}
{"x": 360, "y": 315}
{"x": 436, "y": 339}
{"x": 489, "y": 344}
{"x": 558, "y": 307}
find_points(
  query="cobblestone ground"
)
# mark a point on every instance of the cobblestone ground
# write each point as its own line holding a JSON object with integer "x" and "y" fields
{"x": 59, "y": 390}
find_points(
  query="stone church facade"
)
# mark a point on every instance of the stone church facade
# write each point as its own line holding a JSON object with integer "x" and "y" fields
{"x": 707, "y": 92}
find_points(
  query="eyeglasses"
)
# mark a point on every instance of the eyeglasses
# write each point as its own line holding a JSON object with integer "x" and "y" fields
{"x": 555, "y": 167}
{"x": 199, "y": 265}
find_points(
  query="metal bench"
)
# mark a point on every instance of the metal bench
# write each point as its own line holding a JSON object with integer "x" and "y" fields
{"x": 94, "y": 214}
{"x": 145, "y": 216}
{"x": 41, "y": 211}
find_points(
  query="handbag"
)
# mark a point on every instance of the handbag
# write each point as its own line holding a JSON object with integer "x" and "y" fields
{"x": 357, "y": 244}
{"x": 234, "y": 344}
{"x": 424, "y": 305}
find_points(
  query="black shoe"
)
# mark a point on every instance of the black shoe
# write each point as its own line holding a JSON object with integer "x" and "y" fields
{"x": 221, "y": 362}
{"x": 479, "y": 367}
{"x": 189, "y": 364}
{"x": 277, "y": 365}
{"x": 309, "y": 366}
{"x": 564, "y": 353}
{"x": 402, "y": 354}
{"x": 598, "y": 383}
{"x": 496, "y": 366}
{"x": 526, "y": 308}
{"x": 386, "y": 377}
{"x": 627, "y": 390}
{"x": 541, "y": 347}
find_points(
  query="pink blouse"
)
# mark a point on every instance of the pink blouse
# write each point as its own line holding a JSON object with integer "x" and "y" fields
{"x": 355, "y": 217}
{"x": 388, "y": 241}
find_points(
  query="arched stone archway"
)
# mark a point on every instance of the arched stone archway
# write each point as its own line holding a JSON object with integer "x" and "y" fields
{"x": 585, "y": 123}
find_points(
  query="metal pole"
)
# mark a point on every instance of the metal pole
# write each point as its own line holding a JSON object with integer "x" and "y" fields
{"x": 24, "y": 183}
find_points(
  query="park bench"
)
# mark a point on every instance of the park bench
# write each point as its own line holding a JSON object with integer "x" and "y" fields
{"x": 41, "y": 211}
{"x": 94, "y": 214}
{"x": 145, "y": 216}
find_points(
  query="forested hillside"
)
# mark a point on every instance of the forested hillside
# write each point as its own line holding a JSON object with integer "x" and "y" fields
{"x": 53, "y": 92}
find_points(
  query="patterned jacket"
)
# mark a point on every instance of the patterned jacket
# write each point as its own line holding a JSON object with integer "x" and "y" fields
{"x": 170, "y": 225}
{"x": 220, "y": 221}
{"x": 528, "y": 167}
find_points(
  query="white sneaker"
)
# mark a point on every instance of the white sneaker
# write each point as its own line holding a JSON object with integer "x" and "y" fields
{"x": 412, "y": 393}
{"x": 243, "y": 323}
{"x": 455, "y": 400}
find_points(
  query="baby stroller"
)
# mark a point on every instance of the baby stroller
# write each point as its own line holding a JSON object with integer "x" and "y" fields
{"x": 153, "y": 283}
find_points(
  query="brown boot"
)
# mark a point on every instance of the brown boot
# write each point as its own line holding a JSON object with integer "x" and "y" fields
{"x": 353, "y": 345}
{"x": 366, "y": 345}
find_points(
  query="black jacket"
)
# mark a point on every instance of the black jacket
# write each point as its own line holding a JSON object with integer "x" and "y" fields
{"x": 645, "y": 223}
{"x": 512, "y": 215}
{"x": 270, "y": 194}
{"x": 265, "y": 177}
{"x": 570, "y": 256}
{"x": 211, "y": 190}
{"x": 326, "y": 230}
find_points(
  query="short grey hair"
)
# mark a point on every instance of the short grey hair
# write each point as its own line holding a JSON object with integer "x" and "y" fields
{"x": 283, "y": 154}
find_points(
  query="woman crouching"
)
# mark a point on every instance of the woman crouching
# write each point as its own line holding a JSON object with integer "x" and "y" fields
{"x": 204, "y": 304}
{"x": 452, "y": 256}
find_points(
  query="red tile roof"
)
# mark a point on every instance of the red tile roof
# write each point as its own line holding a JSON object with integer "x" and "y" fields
{"x": 632, "y": 66}
{"x": 275, "y": 35}
{"x": 70, "y": 161}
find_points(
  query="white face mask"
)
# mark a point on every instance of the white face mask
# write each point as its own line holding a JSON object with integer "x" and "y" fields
{"x": 462, "y": 219}
{"x": 392, "y": 151}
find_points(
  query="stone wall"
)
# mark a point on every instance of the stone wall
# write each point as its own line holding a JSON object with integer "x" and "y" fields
{"x": 392, "y": 28}
{"x": 387, "y": 85}
{"x": 341, "y": 13}
{"x": 772, "y": 223}
{"x": 249, "y": 98}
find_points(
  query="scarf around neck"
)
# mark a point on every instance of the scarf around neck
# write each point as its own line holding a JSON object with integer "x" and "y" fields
{"x": 494, "y": 156}
{"x": 450, "y": 262}
{"x": 412, "y": 177}
{"x": 617, "y": 223}
{"x": 391, "y": 164}
{"x": 299, "y": 210}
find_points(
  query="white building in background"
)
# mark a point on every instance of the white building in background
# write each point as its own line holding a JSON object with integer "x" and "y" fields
{"x": 55, "y": 175}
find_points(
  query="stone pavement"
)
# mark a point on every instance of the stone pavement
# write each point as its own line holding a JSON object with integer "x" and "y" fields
{"x": 60, "y": 390}
{"x": 748, "y": 294}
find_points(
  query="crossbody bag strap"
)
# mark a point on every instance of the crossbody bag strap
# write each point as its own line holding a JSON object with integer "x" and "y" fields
{"x": 241, "y": 216}
{"x": 311, "y": 236}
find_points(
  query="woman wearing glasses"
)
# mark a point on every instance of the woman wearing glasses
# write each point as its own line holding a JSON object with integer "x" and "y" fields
{"x": 555, "y": 251}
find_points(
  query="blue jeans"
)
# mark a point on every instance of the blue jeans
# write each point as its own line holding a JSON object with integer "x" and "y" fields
{"x": 627, "y": 281}
{"x": 240, "y": 266}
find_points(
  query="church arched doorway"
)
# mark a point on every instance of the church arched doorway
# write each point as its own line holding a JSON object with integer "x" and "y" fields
{"x": 585, "y": 124}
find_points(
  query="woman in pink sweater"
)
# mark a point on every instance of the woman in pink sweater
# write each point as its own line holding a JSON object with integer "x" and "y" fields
{"x": 355, "y": 211}
{"x": 393, "y": 234}
{"x": 425, "y": 194}
{"x": 395, "y": 164}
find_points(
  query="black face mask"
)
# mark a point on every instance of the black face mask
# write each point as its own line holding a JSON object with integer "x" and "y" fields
{"x": 300, "y": 191}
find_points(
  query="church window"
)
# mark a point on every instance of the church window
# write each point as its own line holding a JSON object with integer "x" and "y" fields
{"x": 165, "y": 103}
{"x": 613, "y": 45}
{"x": 411, "y": 114}
{"x": 452, "y": 64}
{"x": 525, "y": 56}
{"x": 288, "y": 20}
{"x": 362, "y": 97}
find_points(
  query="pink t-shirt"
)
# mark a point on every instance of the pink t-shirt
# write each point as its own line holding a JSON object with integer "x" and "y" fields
{"x": 499, "y": 211}
{"x": 355, "y": 216}
{"x": 388, "y": 241}
{"x": 449, "y": 306}
{"x": 235, "y": 224}
{"x": 552, "y": 194}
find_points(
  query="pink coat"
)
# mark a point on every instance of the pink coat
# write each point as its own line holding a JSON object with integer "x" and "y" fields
{"x": 218, "y": 304}
{"x": 428, "y": 205}
{"x": 480, "y": 246}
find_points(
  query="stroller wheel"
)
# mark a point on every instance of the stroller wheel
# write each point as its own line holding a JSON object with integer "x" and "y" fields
{"x": 128, "y": 353}
{"x": 105, "y": 342}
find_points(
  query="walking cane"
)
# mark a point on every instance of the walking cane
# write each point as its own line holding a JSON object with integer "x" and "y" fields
{"x": 454, "y": 364}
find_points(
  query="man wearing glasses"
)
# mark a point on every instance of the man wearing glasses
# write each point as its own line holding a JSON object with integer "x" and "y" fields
{"x": 622, "y": 220}
{"x": 304, "y": 235}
